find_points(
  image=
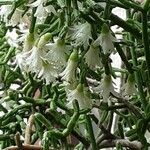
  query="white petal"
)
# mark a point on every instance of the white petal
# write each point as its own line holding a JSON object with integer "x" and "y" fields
{"x": 81, "y": 97}
{"x": 57, "y": 53}
{"x": 50, "y": 9}
{"x": 93, "y": 52}
{"x": 61, "y": 3}
{"x": 113, "y": 38}
{"x": 82, "y": 34}
{"x": 21, "y": 60}
{"x": 96, "y": 43}
{"x": 5, "y": 10}
{"x": 36, "y": 3}
{"x": 40, "y": 12}
{"x": 16, "y": 17}
{"x": 34, "y": 61}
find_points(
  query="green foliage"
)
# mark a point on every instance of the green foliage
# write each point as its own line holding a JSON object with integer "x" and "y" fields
{"x": 41, "y": 101}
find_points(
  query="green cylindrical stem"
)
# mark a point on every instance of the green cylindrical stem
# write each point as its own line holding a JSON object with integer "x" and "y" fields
{"x": 146, "y": 44}
{"x": 91, "y": 133}
{"x": 33, "y": 21}
{"x": 43, "y": 120}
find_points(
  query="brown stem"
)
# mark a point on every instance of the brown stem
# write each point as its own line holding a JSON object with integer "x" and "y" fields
{"x": 130, "y": 106}
{"x": 125, "y": 143}
{"x": 18, "y": 141}
{"x": 29, "y": 130}
{"x": 24, "y": 147}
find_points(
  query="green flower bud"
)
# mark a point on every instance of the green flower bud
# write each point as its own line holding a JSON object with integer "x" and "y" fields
{"x": 29, "y": 41}
{"x": 105, "y": 29}
{"x": 74, "y": 56}
{"x": 44, "y": 40}
{"x": 80, "y": 87}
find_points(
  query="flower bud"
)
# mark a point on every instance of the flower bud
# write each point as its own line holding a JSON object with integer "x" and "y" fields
{"x": 105, "y": 29}
{"x": 74, "y": 56}
{"x": 80, "y": 87}
{"x": 28, "y": 43}
{"x": 44, "y": 40}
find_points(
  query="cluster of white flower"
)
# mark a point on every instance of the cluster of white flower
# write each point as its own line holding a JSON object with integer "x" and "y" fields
{"x": 55, "y": 53}
{"x": 41, "y": 13}
{"x": 42, "y": 57}
{"x": 92, "y": 57}
{"x": 48, "y": 60}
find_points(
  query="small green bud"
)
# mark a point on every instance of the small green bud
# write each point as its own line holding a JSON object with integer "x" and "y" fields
{"x": 74, "y": 56}
{"x": 60, "y": 42}
{"x": 44, "y": 40}
{"x": 131, "y": 78}
{"x": 105, "y": 29}
{"x": 107, "y": 79}
{"x": 80, "y": 87}
{"x": 29, "y": 41}
{"x": 30, "y": 37}
{"x": 47, "y": 36}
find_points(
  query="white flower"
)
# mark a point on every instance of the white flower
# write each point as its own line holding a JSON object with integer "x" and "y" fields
{"x": 80, "y": 94}
{"x": 107, "y": 87}
{"x": 25, "y": 38}
{"x": 70, "y": 86}
{"x": 129, "y": 87}
{"x": 26, "y": 52}
{"x": 4, "y": 12}
{"x": 69, "y": 73}
{"x": 34, "y": 61}
{"x": 48, "y": 71}
{"x": 82, "y": 34}
{"x": 92, "y": 57}
{"x": 11, "y": 37}
{"x": 16, "y": 18}
{"x": 28, "y": 42}
{"x": 105, "y": 40}
{"x": 57, "y": 52}
{"x": 21, "y": 60}
{"x": 41, "y": 11}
